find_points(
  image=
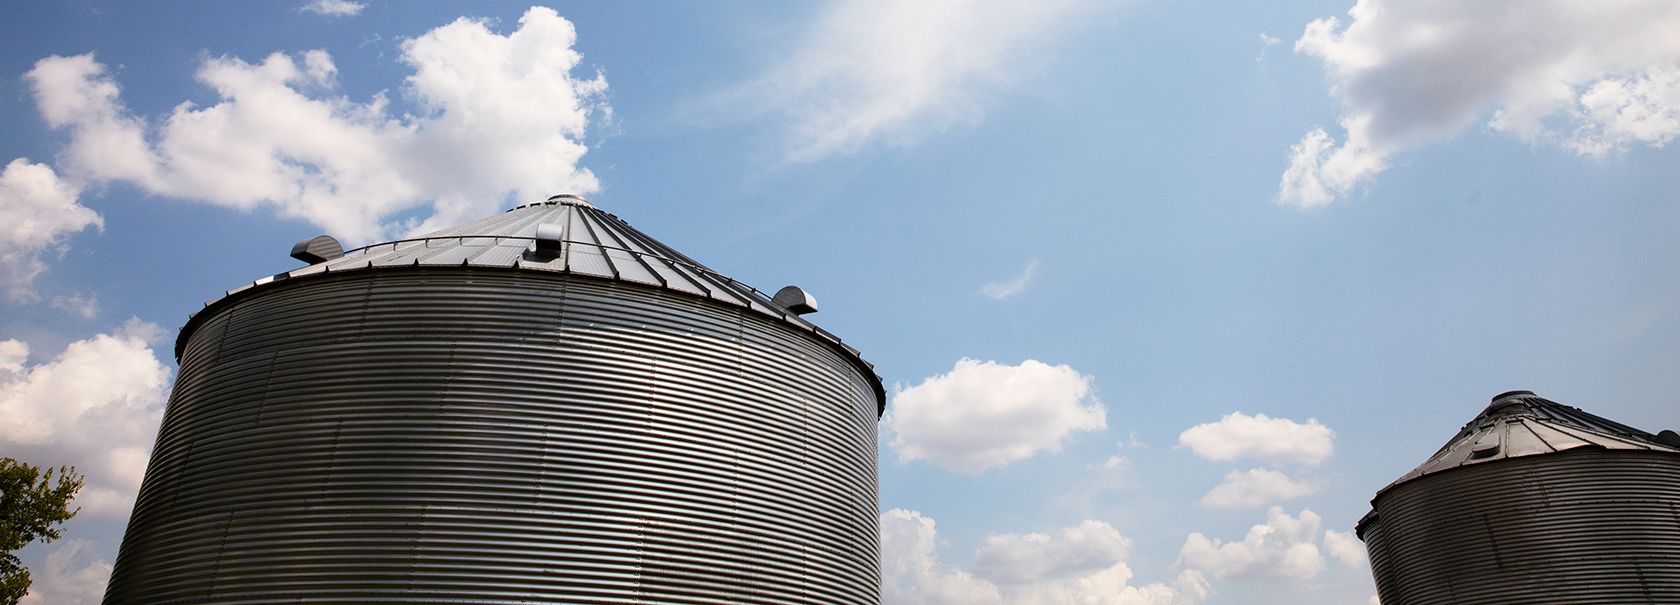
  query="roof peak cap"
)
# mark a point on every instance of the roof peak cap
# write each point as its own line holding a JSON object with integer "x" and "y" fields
{"x": 570, "y": 199}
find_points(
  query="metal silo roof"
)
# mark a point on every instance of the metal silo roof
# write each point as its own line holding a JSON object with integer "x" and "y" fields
{"x": 1519, "y": 423}
{"x": 564, "y": 234}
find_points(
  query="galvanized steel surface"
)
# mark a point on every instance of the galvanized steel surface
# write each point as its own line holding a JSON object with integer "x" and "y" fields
{"x": 1519, "y": 424}
{"x": 467, "y": 434}
{"x": 1532, "y": 501}
{"x": 591, "y": 242}
{"x": 1584, "y": 526}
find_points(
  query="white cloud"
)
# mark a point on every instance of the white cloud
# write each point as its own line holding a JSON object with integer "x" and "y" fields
{"x": 1270, "y": 439}
{"x": 1616, "y": 112}
{"x": 333, "y": 8}
{"x": 1257, "y": 487}
{"x": 1412, "y": 72}
{"x": 85, "y": 306}
{"x": 1077, "y": 551}
{"x": 494, "y": 116}
{"x": 911, "y": 572}
{"x": 1265, "y": 43}
{"x": 984, "y": 414}
{"x": 1002, "y": 290}
{"x": 1281, "y": 549}
{"x": 96, "y": 407}
{"x": 882, "y": 69}
{"x": 1082, "y": 565}
{"x": 37, "y": 210}
{"x": 1346, "y": 548}
{"x": 73, "y": 575}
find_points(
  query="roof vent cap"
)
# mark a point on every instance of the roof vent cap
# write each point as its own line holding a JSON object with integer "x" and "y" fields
{"x": 795, "y": 300}
{"x": 318, "y": 249}
{"x": 570, "y": 199}
{"x": 1509, "y": 397}
{"x": 1668, "y": 438}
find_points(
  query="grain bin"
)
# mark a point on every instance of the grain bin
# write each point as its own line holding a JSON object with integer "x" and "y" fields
{"x": 1532, "y": 502}
{"x": 544, "y": 406}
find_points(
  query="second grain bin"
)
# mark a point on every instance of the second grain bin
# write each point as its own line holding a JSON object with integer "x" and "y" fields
{"x": 1532, "y": 502}
{"x": 544, "y": 406}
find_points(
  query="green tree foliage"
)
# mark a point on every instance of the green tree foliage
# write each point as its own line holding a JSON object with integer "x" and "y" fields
{"x": 30, "y": 505}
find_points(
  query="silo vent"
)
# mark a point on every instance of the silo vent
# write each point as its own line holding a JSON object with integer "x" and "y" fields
{"x": 318, "y": 249}
{"x": 795, "y": 300}
{"x": 1486, "y": 445}
{"x": 549, "y": 239}
{"x": 1668, "y": 438}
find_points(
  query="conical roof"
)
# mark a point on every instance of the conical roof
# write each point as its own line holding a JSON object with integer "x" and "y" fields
{"x": 584, "y": 241}
{"x": 565, "y": 234}
{"x": 1520, "y": 423}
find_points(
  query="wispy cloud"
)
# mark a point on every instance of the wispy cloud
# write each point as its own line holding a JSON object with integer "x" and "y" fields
{"x": 873, "y": 70}
{"x": 86, "y": 307}
{"x": 1265, "y": 43}
{"x": 333, "y": 8}
{"x": 1590, "y": 76}
{"x": 1002, "y": 290}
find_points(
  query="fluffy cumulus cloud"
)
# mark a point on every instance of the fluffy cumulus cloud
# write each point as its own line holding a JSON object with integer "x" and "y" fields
{"x": 494, "y": 116}
{"x": 1282, "y": 549}
{"x": 1590, "y": 76}
{"x": 1346, "y": 548}
{"x": 1269, "y": 439}
{"x": 911, "y": 572}
{"x": 1077, "y": 551}
{"x": 73, "y": 575}
{"x": 96, "y": 406}
{"x": 1082, "y": 565}
{"x": 37, "y": 211}
{"x": 333, "y": 8}
{"x": 1257, "y": 487}
{"x": 880, "y": 69}
{"x": 984, "y": 414}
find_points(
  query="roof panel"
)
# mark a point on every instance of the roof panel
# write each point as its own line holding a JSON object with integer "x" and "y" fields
{"x": 593, "y": 243}
{"x": 1521, "y": 424}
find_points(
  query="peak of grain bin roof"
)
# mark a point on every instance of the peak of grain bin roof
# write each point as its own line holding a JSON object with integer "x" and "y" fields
{"x": 565, "y": 233}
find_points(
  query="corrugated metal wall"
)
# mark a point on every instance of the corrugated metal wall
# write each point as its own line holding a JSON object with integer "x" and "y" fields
{"x": 1575, "y": 527}
{"x": 499, "y": 436}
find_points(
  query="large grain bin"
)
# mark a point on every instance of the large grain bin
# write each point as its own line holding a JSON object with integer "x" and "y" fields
{"x": 1532, "y": 502}
{"x": 544, "y": 406}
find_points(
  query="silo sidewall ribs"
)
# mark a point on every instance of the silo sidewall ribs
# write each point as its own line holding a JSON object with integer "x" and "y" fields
{"x": 1581, "y": 526}
{"x": 456, "y": 435}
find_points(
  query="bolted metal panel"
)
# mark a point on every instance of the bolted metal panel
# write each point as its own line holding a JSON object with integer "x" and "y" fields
{"x": 1583, "y": 526}
{"x": 426, "y": 433}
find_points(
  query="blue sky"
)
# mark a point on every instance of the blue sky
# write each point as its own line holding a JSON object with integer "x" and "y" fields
{"x": 1164, "y": 291}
